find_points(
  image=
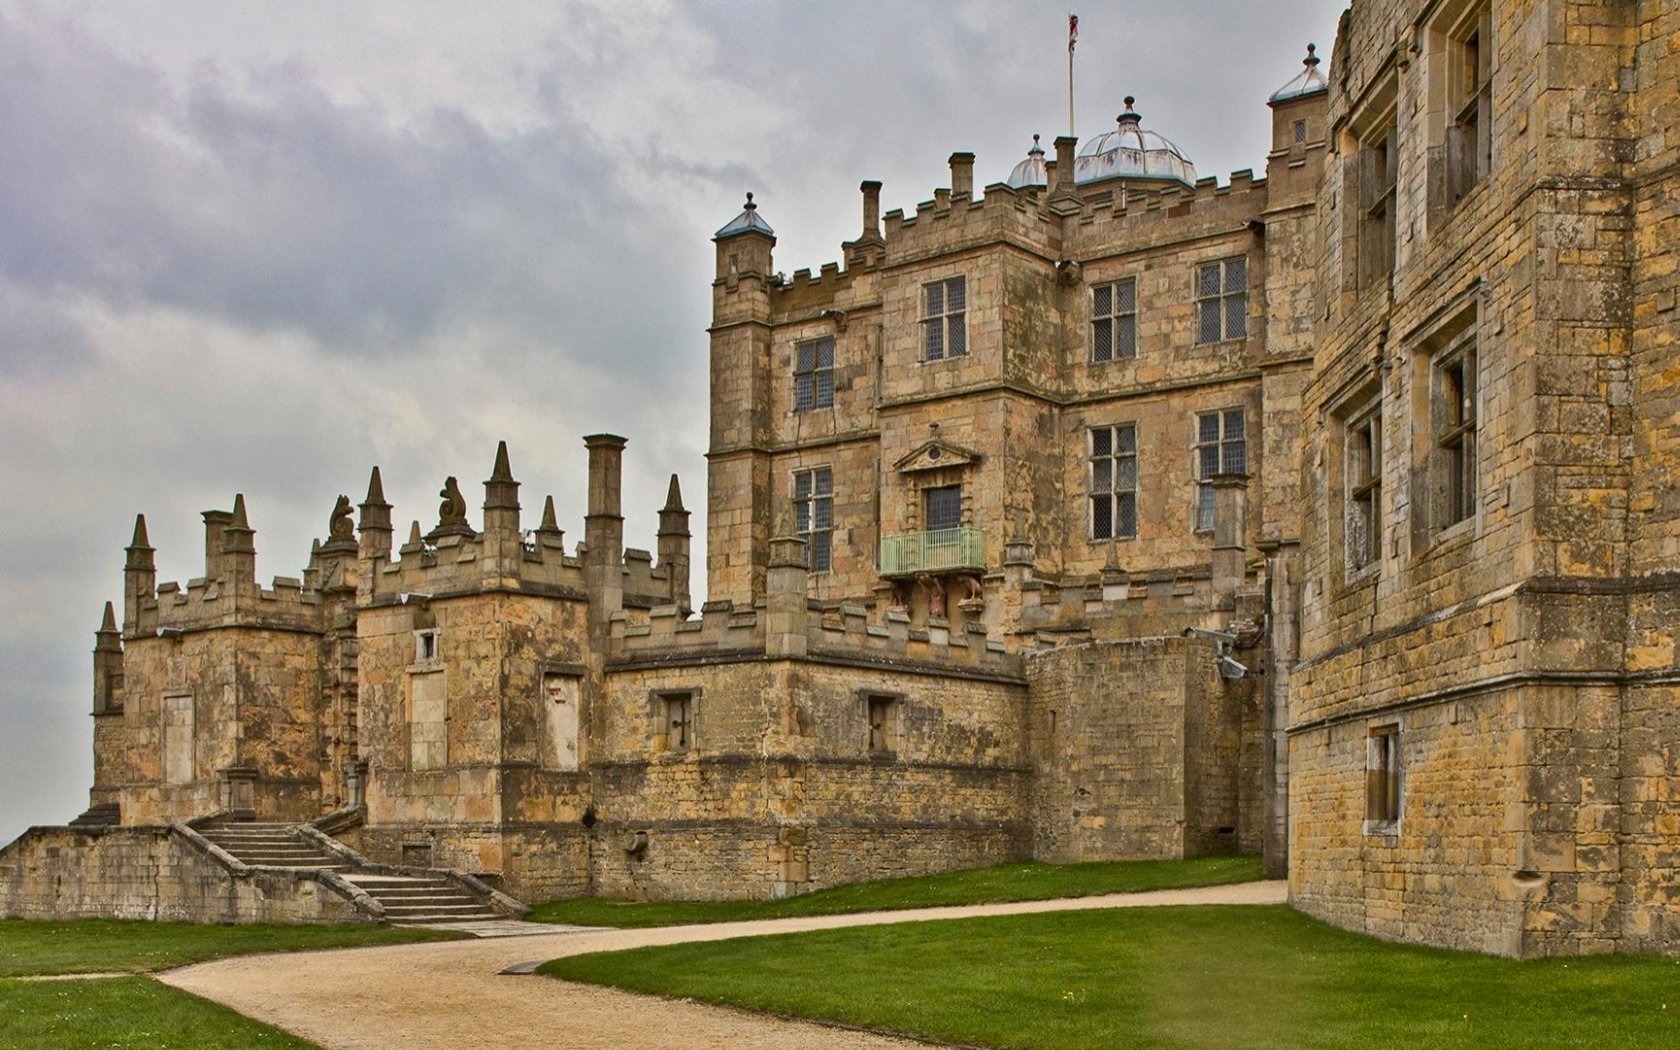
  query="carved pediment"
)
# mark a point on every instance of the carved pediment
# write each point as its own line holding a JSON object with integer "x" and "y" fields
{"x": 936, "y": 455}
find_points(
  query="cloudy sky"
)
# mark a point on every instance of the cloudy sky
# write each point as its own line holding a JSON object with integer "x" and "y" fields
{"x": 260, "y": 247}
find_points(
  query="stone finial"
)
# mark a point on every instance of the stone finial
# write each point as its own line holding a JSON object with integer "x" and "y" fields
{"x": 376, "y": 490}
{"x": 140, "y": 541}
{"x": 239, "y": 520}
{"x": 109, "y": 624}
{"x": 414, "y": 537}
{"x": 673, "y": 496}
{"x": 549, "y": 522}
{"x": 501, "y": 471}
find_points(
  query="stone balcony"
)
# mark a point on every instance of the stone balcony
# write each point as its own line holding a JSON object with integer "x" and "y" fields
{"x": 944, "y": 550}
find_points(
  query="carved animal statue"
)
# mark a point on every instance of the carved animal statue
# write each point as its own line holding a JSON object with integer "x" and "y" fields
{"x": 339, "y": 526}
{"x": 936, "y": 598}
{"x": 453, "y": 509}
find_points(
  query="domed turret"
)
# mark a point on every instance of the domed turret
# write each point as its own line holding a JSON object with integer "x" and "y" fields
{"x": 1309, "y": 81}
{"x": 1131, "y": 151}
{"x": 1030, "y": 173}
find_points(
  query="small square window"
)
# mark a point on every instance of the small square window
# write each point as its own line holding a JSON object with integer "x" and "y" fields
{"x": 425, "y": 646}
{"x": 945, "y": 319}
{"x": 1300, "y": 131}
{"x": 677, "y": 720}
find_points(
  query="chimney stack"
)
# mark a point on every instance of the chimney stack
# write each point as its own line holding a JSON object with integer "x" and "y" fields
{"x": 962, "y": 175}
{"x": 603, "y": 526}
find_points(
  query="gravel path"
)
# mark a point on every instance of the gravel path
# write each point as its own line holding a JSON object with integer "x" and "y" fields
{"x": 452, "y": 994}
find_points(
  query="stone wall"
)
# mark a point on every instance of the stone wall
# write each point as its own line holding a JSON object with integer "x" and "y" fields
{"x": 149, "y": 873}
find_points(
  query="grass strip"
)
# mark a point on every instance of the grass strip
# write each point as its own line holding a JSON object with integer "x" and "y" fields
{"x": 29, "y": 947}
{"x": 126, "y": 1013}
{"x": 1185, "y": 977}
{"x": 1004, "y": 882}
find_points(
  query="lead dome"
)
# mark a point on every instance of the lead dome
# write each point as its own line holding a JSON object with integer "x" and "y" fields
{"x": 1132, "y": 151}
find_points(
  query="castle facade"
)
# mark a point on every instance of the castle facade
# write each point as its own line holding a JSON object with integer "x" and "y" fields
{"x": 1108, "y": 512}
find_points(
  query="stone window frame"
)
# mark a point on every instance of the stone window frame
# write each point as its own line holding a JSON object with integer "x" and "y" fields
{"x": 1368, "y": 143}
{"x": 1376, "y": 157}
{"x": 944, "y": 326}
{"x": 660, "y": 702}
{"x": 1447, "y": 446}
{"x": 428, "y": 646}
{"x": 1461, "y": 69}
{"x": 813, "y": 380}
{"x": 1201, "y": 504}
{"x": 1114, "y": 317}
{"x": 1213, "y": 289}
{"x": 1362, "y": 485}
{"x": 1384, "y": 780}
{"x": 887, "y": 746}
{"x": 1114, "y": 494}
{"x": 813, "y": 514}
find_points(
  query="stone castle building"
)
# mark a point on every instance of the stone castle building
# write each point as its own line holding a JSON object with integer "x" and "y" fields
{"x": 1109, "y": 512}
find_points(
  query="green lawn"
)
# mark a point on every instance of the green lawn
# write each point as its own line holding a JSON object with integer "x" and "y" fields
{"x": 1250, "y": 977}
{"x": 1005, "y": 882}
{"x": 129, "y": 1013}
{"x": 138, "y": 1012}
{"x": 107, "y": 945}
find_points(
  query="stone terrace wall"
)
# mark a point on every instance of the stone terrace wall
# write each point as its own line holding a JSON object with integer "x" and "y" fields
{"x": 148, "y": 873}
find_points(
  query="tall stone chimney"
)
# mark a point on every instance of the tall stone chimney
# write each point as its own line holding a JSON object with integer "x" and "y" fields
{"x": 603, "y": 528}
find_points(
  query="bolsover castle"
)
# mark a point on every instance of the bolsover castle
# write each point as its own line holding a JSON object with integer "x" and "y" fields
{"x": 1105, "y": 512}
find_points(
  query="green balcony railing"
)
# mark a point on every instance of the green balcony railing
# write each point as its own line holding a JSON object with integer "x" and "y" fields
{"x": 946, "y": 550}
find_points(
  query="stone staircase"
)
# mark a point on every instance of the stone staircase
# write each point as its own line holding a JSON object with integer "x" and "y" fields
{"x": 271, "y": 845}
{"x": 414, "y": 896}
{"x": 104, "y": 815}
{"x": 424, "y": 899}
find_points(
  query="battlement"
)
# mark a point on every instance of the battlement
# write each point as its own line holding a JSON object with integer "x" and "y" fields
{"x": 843, "y": 632}
{"x": 1143, "y": 217}
{"x": 361, "y": 568}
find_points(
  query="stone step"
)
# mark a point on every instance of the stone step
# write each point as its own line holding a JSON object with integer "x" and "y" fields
{"x": 425, "y": 920}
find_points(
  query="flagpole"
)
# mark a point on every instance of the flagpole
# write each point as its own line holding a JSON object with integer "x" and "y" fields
{"x": 1073, "y": 36}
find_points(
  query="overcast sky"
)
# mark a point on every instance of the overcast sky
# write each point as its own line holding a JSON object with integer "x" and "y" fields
{"x": 260, "y": 247}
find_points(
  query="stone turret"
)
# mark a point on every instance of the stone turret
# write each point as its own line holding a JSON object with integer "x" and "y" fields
{"x": 740, "y": 417}
{"x": 673, "y": 546}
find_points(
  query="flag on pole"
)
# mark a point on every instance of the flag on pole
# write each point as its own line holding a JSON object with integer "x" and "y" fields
{"x": 1073, "y": 31}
